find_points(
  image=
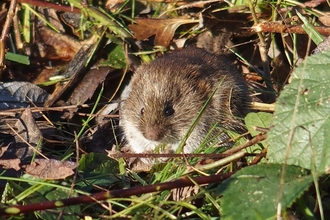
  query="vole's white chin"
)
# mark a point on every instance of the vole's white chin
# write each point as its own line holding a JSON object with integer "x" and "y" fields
{"x": 137, "y": 142}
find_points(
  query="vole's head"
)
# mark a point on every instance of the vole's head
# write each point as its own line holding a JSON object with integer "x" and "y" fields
{"x": 165, "y": 100}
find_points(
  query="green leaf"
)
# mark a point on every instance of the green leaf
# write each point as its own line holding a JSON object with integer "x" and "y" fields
{"x": 257, "y": 119}
{"x": 29, "y": 193}
{"x": 56, "y": 194}
{"x": 116, "y": 58}
{"x": 17, "y": 58}
{"x": 252, "y": 192}
{"x": 98, "y": 163}
{"x": 98, "y": 169}
{"x": 300, "y": 133}
{"x": 316, "y": 37}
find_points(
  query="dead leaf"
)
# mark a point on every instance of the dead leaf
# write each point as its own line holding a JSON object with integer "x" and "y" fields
{"x": 10, "y": 122}
{"x": 86, "y": 88}
{"x": 53, "y": 17}
{"x": 11, "y": 164}
{"x": 28, "y": 135}
{"x": 72, "y": 20}
{"x": 113, "y": 4}
{"x": 325, "y": 20}
{"x": 50, "y": 169}
{"x": 164, "y": 29}
{"x": 3, "y": 149}
{"x": 323, "y": 46}
{"x": 58, "y": 46}
{"x": 74, "y": 71}
{"x": 20, "y": 95}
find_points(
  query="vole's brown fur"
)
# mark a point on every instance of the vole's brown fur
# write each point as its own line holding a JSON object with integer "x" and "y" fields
{"x": 167, "y": 95}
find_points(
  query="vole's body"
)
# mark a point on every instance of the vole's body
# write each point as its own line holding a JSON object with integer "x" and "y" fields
{"x": 167, "y": 95}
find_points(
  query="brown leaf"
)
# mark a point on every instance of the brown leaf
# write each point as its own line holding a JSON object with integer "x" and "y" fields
{"x": 164, "y": 29}
{"x": 58, "y": 46}
{"x": 86, "y": 88}
{"x": 74, "y": 70}
{"x": 325, "y": 20}
{"x": 50, "y": 169}
{"x": 3, "y": 149}
{"x": 323, "y": 46}
{"x": 11, "y": 164}
{"x": 113, "y": 4}
{"x": 29, "y": 135}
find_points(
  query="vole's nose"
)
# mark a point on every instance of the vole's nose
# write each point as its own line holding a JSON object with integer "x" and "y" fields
{"x": 153, "y": 133}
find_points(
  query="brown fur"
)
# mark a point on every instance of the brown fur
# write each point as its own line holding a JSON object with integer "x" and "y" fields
{"x": 183, "y": 81}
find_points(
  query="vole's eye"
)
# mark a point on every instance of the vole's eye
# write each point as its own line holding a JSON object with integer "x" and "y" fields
{"x": 168, "y": 110}
{"x": 142, "y": 111}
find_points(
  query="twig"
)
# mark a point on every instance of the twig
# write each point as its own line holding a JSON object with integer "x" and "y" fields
{"x": 262, "y": 106}
{"x": 45, "y": 4}
{"x": 13, "y": 112}
{"x": 4, "y": 34}
{"x": 121, "y": 193}
{"x": 255, "y": 140}
{"x": 235, "y": 154}
{"x": 277, "y": 27}
{"x": 155, "y": 155}
{"x": 258, "y": 158}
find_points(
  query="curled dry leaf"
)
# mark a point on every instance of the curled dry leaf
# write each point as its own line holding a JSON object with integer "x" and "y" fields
{"x": 164, "y": 29}
{"x": 72, "y": 20}
{"x": 50, "y": 169}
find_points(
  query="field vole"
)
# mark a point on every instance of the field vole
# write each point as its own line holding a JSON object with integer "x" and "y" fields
{"x": 167, "y": 95}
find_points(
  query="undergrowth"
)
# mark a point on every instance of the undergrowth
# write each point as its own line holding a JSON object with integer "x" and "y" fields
{"x": 280, "y": 172}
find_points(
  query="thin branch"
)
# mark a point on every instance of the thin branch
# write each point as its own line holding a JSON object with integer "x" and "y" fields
{"x": 58, "y": 7}
{"x": 278, "y": 27}
{"x": 120, "y": 193}
{"x": 5, "y": 31}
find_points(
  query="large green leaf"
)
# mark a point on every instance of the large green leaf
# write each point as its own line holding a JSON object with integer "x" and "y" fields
{"x": 253, "y": 192}
{"x": 301, "y": 127}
